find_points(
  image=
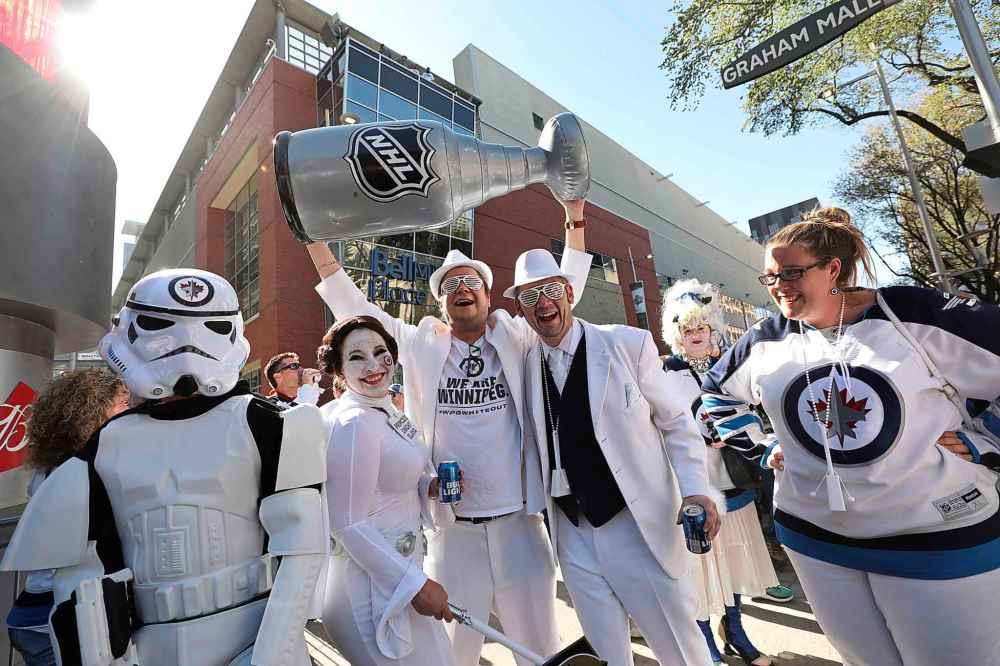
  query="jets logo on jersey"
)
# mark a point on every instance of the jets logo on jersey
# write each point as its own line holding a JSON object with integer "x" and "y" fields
{"x": 862, "y": 417}
{"x": 389, "y": 162}
{"x": 190, "y": 291}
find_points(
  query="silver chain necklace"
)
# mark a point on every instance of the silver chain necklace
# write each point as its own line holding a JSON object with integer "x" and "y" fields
{"x": 835, "y": 487}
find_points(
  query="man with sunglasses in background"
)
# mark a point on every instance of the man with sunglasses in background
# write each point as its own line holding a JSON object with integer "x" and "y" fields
{"x": 463, "y": 383}
{"x": 620, "y": 456}
{"x": 291, "y": 384}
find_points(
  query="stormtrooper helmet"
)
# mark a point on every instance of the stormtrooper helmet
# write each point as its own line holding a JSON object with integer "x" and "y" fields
{"x": 179, "y": 332}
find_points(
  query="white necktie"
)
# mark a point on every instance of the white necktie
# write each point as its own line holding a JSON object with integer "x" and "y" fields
{"x": 557, "y": 365}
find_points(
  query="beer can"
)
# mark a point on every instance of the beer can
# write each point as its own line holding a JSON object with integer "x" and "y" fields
{"x": 693, "y": 520}
{"x": 449, "y": 487}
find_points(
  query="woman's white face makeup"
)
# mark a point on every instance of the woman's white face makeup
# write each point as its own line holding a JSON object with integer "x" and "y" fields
{"x": 367, "y": 363}
{"x": 696, "y": 339}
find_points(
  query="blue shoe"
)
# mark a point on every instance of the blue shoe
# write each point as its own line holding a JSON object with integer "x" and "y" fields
{"x": 735, "y": 639}
{"x": 713, "y": 649}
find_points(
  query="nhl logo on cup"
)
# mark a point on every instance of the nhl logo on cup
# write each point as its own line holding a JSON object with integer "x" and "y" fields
{"x": 191, "y": 291}
{"x": 391, "y": 161}
{"x": 14, "y": 414}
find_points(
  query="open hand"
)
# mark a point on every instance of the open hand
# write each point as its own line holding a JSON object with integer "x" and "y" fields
{"x": 949, "y": 440}
{"x": 574, "y": 209}
{"x": 432, "y": 600}
{"x": 777, "y": 459}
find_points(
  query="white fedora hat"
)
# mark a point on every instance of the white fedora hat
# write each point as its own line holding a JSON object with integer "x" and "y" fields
{"x": 456, "y": 259}
{"x": 531, "y": 266}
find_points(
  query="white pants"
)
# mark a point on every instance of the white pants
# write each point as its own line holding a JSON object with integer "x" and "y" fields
{"x": 611, "y": 574}
{"x": 504, "y": 566}
{"x": 877, "y": 620}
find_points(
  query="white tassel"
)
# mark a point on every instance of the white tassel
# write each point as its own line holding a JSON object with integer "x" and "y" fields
{"x": 836, "y": 490}
{"x": 560, "y": 483}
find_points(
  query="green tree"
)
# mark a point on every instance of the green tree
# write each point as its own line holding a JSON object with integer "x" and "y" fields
{"x": 918, "y": 41}
{"x": 877, "y": 191}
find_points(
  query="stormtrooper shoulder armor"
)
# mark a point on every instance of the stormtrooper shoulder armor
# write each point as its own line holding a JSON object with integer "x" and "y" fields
{"x": 303, "y": 448}
{"x": 53, "y": 532}
{"x": 291, "y": 443}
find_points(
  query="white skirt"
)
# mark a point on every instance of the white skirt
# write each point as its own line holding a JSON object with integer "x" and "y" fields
{"x": 739, "y": 563}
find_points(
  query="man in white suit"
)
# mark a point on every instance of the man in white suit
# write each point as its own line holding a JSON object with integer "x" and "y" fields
{"x": 464, "y": 392}
{"x": 616, "y": 470}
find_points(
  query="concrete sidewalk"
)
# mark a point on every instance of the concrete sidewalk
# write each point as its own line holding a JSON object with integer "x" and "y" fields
{"x": 787, "y": 632}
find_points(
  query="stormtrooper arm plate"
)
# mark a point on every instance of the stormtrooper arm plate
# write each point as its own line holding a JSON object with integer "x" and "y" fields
{"x": 293, "y": 517}
{"x": 91, "y": 620}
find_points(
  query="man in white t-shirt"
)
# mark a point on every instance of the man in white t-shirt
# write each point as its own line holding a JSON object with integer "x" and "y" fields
{"x": 464, "y": 392}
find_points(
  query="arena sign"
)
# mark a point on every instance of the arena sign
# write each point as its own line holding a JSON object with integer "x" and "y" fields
{"x": 800, "y": 39}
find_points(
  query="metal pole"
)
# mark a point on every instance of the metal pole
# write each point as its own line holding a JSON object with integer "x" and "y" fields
{"x": 979, "y": 58}
{"x": 635, "y": 278}
{"x": 918, "y": 193}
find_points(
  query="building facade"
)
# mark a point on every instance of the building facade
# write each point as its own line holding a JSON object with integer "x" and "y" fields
{"x": 764, "y": 226}
{"x": 302, "y": 68}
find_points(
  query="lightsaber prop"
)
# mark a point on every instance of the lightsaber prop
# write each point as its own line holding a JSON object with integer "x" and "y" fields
{"x": 577, "y": 654}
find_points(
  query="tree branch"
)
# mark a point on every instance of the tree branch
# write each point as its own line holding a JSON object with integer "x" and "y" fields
{"x": 918, "y": 120}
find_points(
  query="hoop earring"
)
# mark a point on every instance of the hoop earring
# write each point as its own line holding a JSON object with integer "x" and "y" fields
{"x": 834, "y": 291}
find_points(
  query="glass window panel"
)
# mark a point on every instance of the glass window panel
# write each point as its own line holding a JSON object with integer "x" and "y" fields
{"x": 461, "y": 228}
{"x": 611, "y": 270}
{"x": 462, "y": 130}
{"x": 356, "y": 254}
{"x": 435, "y": 101}
{"x": 382, "y": 118}
{"x": 358, "y": 46}
{"x": 363, "y": 65}
{"x": 397, "y": 107}
{"x": 364, "y": 115}
{"x": 465, "y": 117}
{"x": 362, "y": 91}
{"x": 401, "y": 241}
{"x": 424, "y": 114}
{"x": 295, "y": 54}
{"x": 463, "y": 245}
{"x": 402, "y": 84}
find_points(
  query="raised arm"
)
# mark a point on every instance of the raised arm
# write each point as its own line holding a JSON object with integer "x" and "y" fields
{"x": 575, "y": 260}
{"x": 343, "y": 297}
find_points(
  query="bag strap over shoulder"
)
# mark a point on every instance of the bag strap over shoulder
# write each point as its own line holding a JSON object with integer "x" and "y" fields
{"x": 946, "y": 387}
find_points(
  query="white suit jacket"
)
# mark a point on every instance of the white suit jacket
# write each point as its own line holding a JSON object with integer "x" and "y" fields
{"x": 643, "y": 424}
{"x": 423, "y": 350}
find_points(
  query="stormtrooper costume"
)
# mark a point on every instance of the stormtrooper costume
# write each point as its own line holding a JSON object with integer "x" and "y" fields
{"x": 492, "y": 554}
{"x": 896, "y": 541}
{"x": 164, "y": 531}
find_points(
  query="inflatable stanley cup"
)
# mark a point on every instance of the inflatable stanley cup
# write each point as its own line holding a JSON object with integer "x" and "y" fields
{"x": 383, "y": 178}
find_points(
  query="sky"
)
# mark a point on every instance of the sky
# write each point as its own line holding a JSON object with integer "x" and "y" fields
{"x": 151, "y": 66}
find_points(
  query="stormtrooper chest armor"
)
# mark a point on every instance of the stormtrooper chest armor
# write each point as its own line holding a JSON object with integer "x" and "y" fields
{"x": 185, "y": 496}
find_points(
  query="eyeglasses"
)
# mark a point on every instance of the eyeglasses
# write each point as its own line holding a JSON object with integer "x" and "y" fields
{"x": 788, "y": 274}
{"x": 552, "y": 290}
{"x": 450, "y": 286}
{"x": 290, "y": 366}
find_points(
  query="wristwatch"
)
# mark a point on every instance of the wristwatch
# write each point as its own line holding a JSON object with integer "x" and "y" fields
{"x": 575, "y": 224}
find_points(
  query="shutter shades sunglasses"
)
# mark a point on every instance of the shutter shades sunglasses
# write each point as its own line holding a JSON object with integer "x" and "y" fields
{"x": 552, "y": 290}
{"x": 450, "y": 285}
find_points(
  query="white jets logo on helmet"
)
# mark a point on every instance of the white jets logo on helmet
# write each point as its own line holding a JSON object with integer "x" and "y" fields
{"x": 191, "y": 291}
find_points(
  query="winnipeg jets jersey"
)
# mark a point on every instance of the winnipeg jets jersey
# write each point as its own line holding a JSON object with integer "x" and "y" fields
{"x": 914, "y": 509}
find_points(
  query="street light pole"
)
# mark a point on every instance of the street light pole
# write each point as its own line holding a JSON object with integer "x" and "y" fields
{"x": 979, "y": 58}
{"x": 918, "y": 193}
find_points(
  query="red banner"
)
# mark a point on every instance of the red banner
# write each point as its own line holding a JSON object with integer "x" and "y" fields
{"x": 28, "y": 28}
{"x": 14, "y": 414}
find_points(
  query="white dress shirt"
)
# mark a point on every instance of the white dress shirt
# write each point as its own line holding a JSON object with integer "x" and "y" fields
{"x": 560, "y": 357}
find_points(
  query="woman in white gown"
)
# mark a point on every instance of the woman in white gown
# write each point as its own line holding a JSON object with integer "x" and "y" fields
{"x": 739, "y": 562}
{"x": 381, "y": 609}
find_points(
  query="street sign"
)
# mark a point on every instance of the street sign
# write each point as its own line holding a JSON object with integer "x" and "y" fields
{"x": 799, "y": 39}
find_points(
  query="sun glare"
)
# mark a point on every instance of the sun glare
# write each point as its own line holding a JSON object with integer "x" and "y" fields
{"x": 80, "y": 42}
